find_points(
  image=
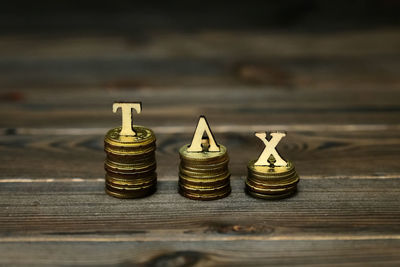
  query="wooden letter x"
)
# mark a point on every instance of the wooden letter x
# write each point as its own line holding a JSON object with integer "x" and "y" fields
{"x": 270, "y": 149}
{"x": 127, "y": 116}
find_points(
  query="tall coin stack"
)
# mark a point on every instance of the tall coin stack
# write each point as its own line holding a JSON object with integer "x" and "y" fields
{"x": 205, "y": 175}
{"x": 270, "y": 182}
{"x": 203, "y": 171}
{"x": 130, "y": 163}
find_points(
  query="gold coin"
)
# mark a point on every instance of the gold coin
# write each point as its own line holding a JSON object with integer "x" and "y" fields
{"x": 130, "y": 175}
{"x": 130, "y": 167}
{"x": 204, "y": 183}
{"x": 204, "y": 197}
{"x": 130, "y": 151}
{"x": 204, "y": 167}
{"x": 269, "y": 171}
{"x": 270, "y": 197}
{"x": 204, "y": 156}
{"x": 269, "y": 191}
{"x": 204, "y": 175}
{"x": 205, "y": 179}
{"x": 130, "y": 187}
{"x": 130, "y": 194}
{"x": 132, "y": 182}
{"x": 204, "y": 190}
{"x": 274, "y": 184}
{"x": 143, "y": 137}
{"x": 132, "y": 160}
{"x": 271, "y": 179}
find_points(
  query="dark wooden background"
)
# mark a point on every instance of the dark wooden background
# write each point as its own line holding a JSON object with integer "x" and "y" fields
{"x": 327, "y": 72}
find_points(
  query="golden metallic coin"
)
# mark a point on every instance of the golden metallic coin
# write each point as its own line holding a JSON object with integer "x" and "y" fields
{"x": 204, "y": 175}
{"x": 130, "y": 151}
{"x": 271, "y": 179}
{"x": 130, "y": 187}
{"x": 269, "y": 197}
{"x": 274, "y": 184}
{"x": 204, "y": 189}
{"x": 141, "y": 167}
{"x": 208, "y": 179}
{"x": 209, "y": 183}
{"x": 135, "y": 160}
{"x": 270, "y": 191}
{"x": 130, "y": 194}
{"x": 131, "y": 182}
{"x": 211, "y": 163}
{"x": 203, "y": 196}
{"x": 143, "y": 137}
{"x": 131, "y": 175}
{"x": 204, "y": 184}
{"x": 203, "y": 163}
{"x": 268, "y": 171}
{"x": 204, "y": 156}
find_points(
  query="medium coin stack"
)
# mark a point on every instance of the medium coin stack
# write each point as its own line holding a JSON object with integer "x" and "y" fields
{"x": 271, "y": 182}
{"x": 130, "y": 164}
{"x": 204, "y": 175}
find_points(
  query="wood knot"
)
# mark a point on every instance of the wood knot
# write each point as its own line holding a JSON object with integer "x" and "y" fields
{"x": 237, "y": 229}
{"x": 177, "y": 258}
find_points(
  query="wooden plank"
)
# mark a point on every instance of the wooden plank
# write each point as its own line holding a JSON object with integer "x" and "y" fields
{"x": 204, "y": 44}
{"x": 349, "y": 221}
{"x": 322, "y": 209}
{"x": 316, "y": 154}
{"x": 177, "y": 107}
{"x": 357, "y": 59}
{"x": 202, "y": 253}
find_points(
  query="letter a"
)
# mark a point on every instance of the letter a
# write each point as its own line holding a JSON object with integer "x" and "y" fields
{"x": 202, "y": 127}
{"x": 270, "y": 149}
{"x": 126, "y": 110}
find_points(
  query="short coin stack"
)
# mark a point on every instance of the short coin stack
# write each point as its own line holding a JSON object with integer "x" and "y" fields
{"x": 130, "y": 164}
{"x": 271, "y": 182}
{"x": 204, "y": 175}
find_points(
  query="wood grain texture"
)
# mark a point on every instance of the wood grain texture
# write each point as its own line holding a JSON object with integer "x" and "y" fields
{"x": 365, "y": 59}
{"x": 323, "y": 222}
{"x": 203, "y": 253}
{"x": 319, "y": 154}
{"x": 322, "y": 209}
{"x": 337, "y": 96}
{"x": 181, "y": 107}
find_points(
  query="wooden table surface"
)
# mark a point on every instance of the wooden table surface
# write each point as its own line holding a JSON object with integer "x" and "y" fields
{"x": 337, "y": 95}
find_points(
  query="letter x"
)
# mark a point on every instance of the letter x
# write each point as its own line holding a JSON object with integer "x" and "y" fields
{"x": 270, "y": 149}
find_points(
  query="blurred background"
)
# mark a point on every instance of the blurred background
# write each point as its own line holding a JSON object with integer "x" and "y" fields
{"x": 136, "y": 44}
{"x": 301, "y": 66}
{"x": 55, "y": 47}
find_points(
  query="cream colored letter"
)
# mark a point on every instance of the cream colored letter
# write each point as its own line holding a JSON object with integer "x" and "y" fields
{"x": 202, "y": 127}
{"x": 270, "y": 149}
{"x": 126, "y": 110}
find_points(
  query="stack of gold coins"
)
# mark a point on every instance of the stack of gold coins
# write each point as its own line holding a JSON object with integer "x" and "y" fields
{"x": 271, "y": 182}
{"x": 130, "y": 164}
{"x": 204, "y": 175}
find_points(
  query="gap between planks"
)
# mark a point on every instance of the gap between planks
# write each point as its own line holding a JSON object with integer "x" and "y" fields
{"x": 175, "y": 178}
{"x": 215, "y": 128}
{"x": 194, "y": 238}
